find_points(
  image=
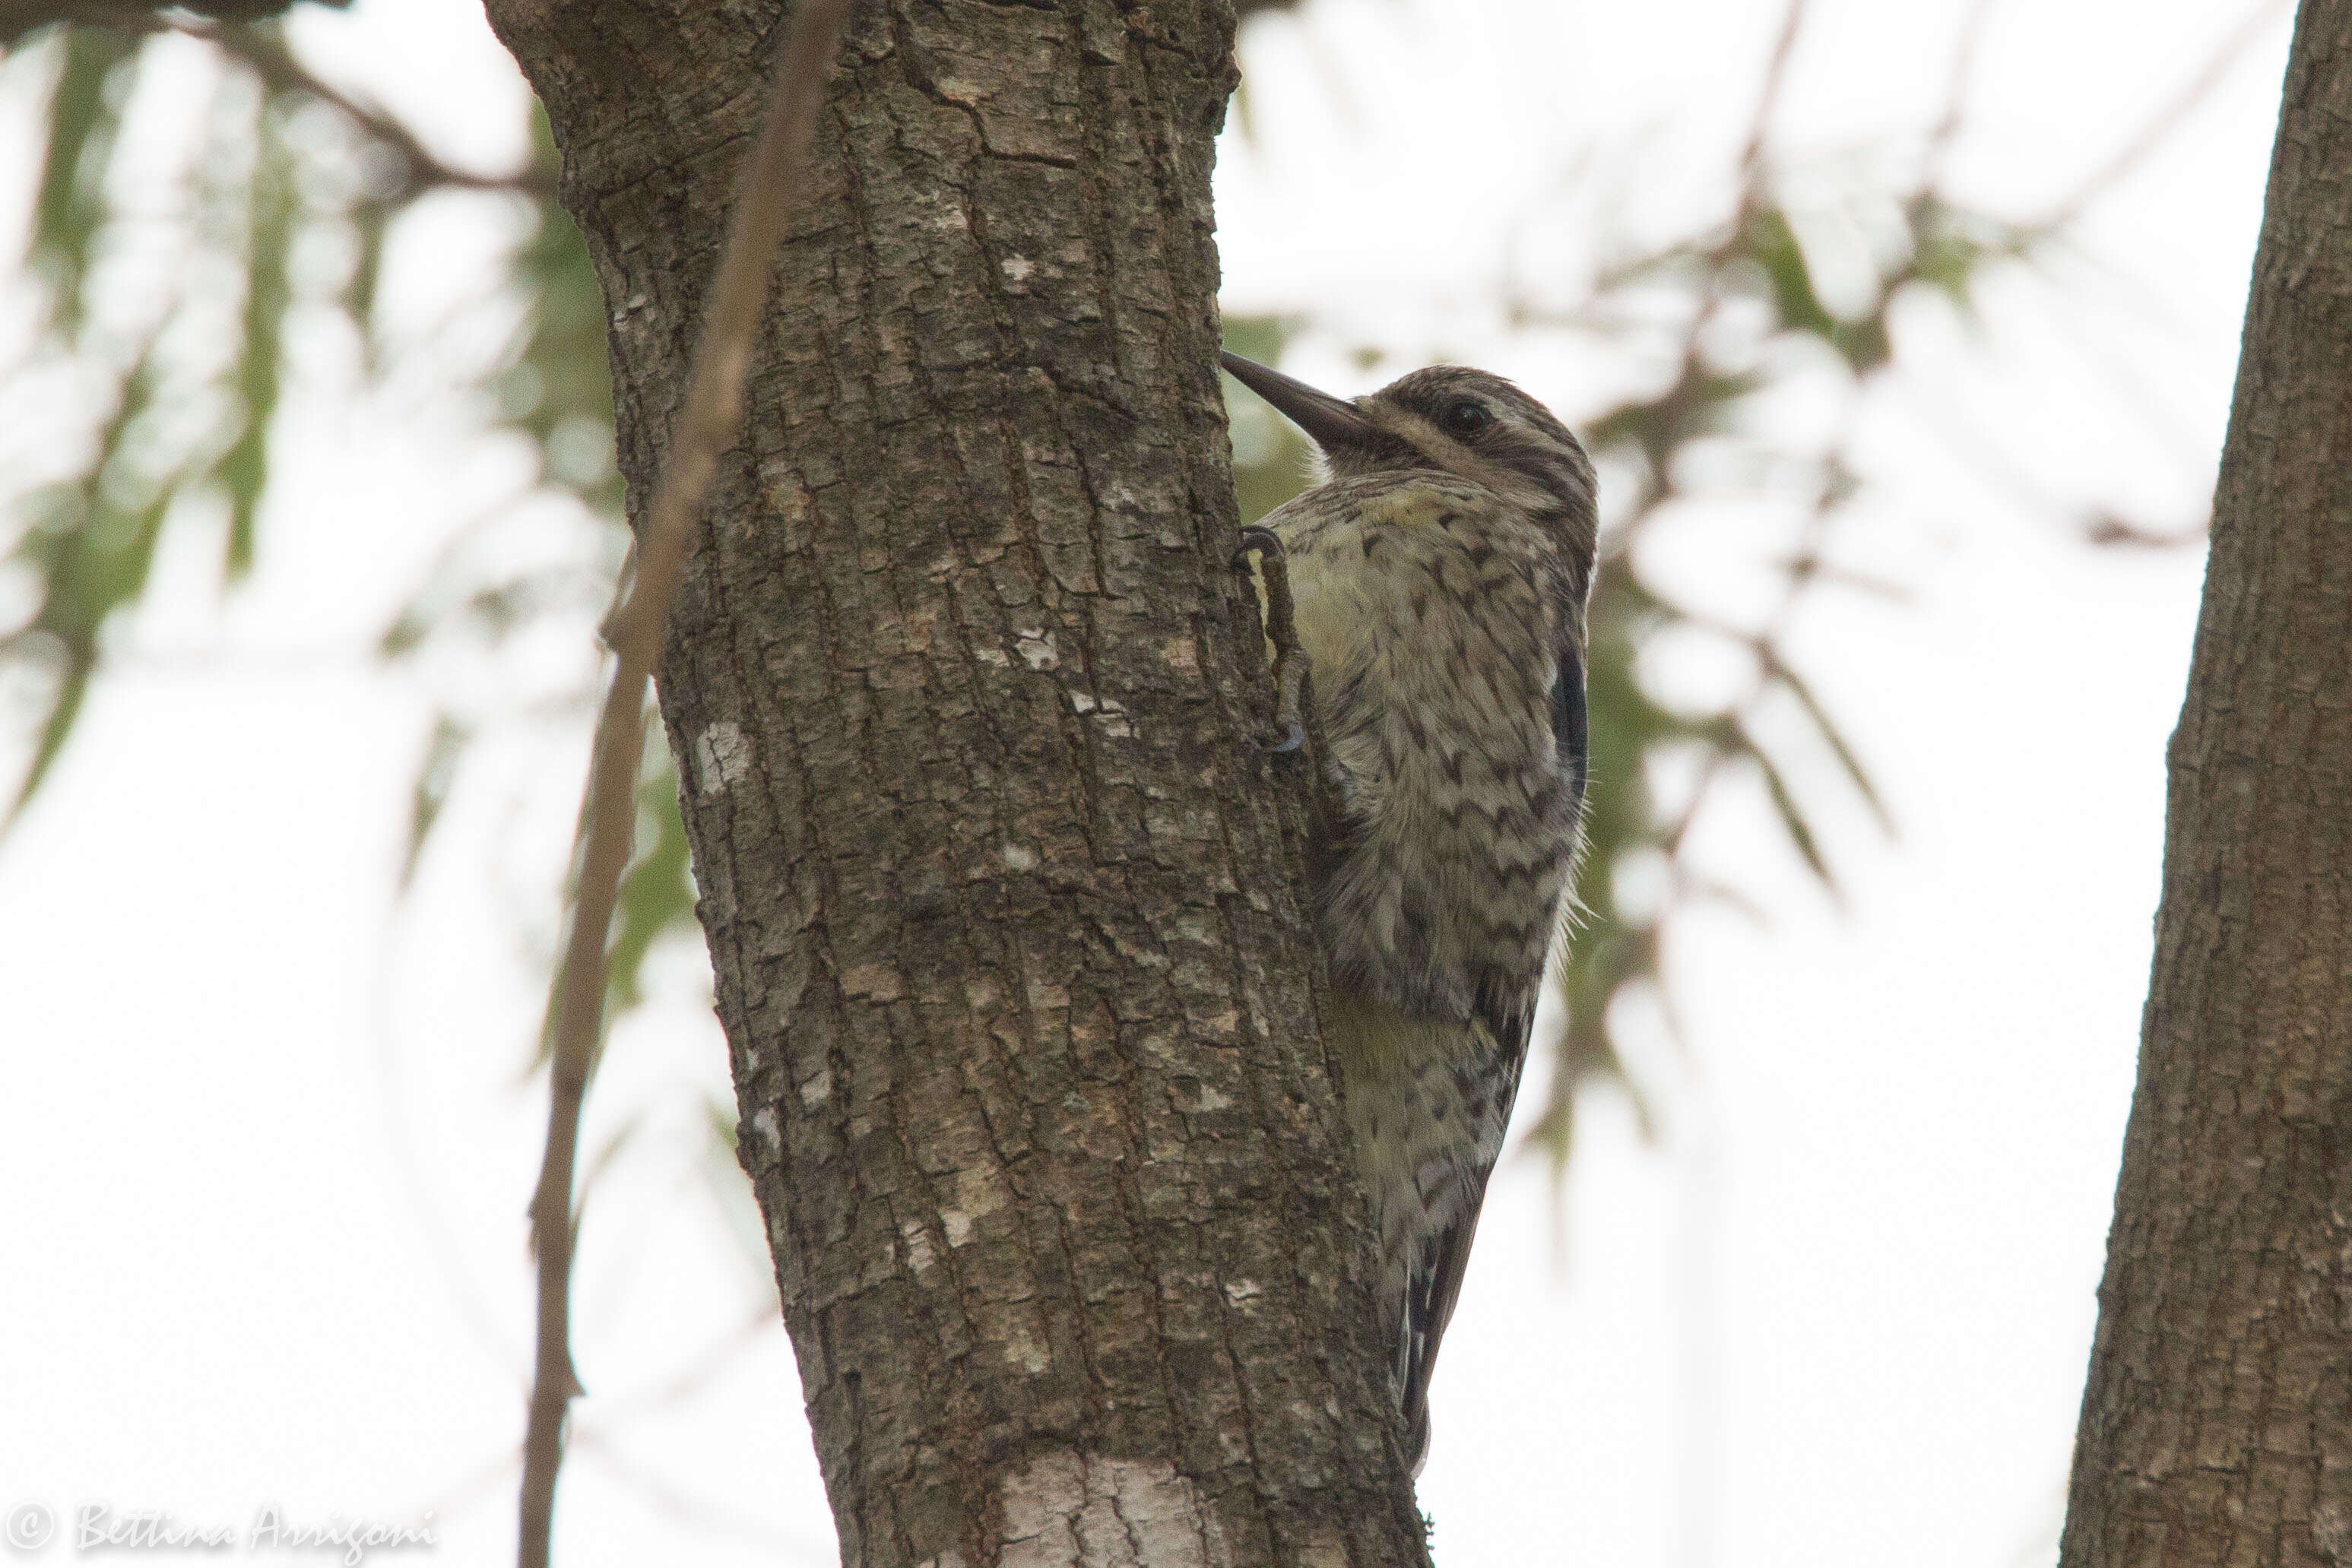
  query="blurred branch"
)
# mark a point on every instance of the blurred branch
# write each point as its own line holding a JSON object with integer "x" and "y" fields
{"x": 1956, "y": 95}
{"x": 767, "y": 189}
{"x": 1734, "y": 304}
{"x": 183, "y": 393}
{"x": 2259, "y": 20}
{"x": 227, "y": 24}
{"x": 278, "y": 69}
{"x": 18, "y": 18}
{"x": 1679, "y": 412}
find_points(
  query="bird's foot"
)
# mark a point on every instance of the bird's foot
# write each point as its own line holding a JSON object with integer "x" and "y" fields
{"x": 1282, "y": 630}
{"x": 1258, "y": 539}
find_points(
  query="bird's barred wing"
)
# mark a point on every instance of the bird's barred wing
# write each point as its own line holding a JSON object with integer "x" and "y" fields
{"x": 1458, "y": 1191}
{"x": 1429, "y": 1307}
{"x": 1569, "y": 728}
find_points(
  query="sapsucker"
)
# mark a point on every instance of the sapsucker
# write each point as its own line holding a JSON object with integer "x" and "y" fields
{"x": 1438, "y": 578}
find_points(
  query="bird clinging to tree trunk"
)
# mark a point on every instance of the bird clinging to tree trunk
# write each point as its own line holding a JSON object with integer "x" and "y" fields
{"x": 1438, "y": 581}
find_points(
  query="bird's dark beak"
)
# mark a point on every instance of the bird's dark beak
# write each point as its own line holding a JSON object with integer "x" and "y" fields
{"x": 1332, "y": 421}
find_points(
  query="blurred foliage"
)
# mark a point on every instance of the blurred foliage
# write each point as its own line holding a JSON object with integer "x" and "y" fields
{"x": 18, "y": 18}
{"x": 1722, "y": 323}
{"x": 145, "y": 376}
{"x": 174, "y": 384}
{"x": 1753, "y": 321}
{"x": 287, "y": 206}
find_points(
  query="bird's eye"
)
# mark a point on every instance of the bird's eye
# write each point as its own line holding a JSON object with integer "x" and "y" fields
{"x": 1465, "y": 417}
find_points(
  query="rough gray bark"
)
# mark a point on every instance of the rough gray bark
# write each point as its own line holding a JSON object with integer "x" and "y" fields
{"x": 2217, "y": 1428}
{"x": 23, "y": 16}
{"x": 1001, "y": 901}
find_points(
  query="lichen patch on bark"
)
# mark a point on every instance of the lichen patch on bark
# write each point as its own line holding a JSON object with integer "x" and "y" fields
{"x": 1070, "y": 1510}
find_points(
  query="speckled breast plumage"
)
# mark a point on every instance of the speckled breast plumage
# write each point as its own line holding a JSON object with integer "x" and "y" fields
{"x": 1435, "y": 616}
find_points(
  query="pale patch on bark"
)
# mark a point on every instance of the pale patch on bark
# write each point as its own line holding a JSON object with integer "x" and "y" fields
{"x": 978, "y": 1194}
{"x": 1324, "y": 1549}
{"x": 1113, "y": 724}
{"x": 1223, "y": 1026}
{"x": 1037, "y": 649}
{"x": 2331, "y": 1531}
{"x": 721, "y": 757}
{"x": 879, "y": 981}
{"x": 920, "y": 1256}
{"x": 1021, "y": 1351}
{"x": 1070, "y": 1510}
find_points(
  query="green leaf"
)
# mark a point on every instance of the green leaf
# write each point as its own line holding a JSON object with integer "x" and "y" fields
{"x": 428, "y": 790}
{"x": 91, "y": 547}
{"x": 83, "y": 119}
{"x": 1792, "y": 818}
{"x": 1271, "y": 459}
{"x": 657, "y": 893}
{"x": 1772, "y": 248}
{"x": 1834, "y": 737}
{"x": 254, "y": 377}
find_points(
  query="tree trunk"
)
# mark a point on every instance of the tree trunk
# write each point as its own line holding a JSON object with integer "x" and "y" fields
{"x": 2217, "y": 1428}
{"x": 1002, "y": 900}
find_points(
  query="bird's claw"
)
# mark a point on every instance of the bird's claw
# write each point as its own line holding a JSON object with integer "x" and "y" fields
{"x": 1257, "y": 540}
{"x": 1290, "y": 678}
{"x": 1289, "y": 658}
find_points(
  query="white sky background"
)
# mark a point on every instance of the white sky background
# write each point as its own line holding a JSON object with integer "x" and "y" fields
{"x": 265, "y": 1144}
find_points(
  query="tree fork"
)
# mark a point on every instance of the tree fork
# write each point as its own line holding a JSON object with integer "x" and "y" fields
{"x": 1002, "y": 897}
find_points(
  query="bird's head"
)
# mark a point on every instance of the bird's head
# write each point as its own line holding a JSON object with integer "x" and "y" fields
{"x": 1452, "y": 419}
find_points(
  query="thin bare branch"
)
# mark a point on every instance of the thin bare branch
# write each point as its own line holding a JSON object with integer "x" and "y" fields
{"x": 2265, "y": 16}
{"x": 1692, "y": 371}
{"x": 1776, "y": 74}
{"x": 278, "y": 67}
{"x": 767, "y": 190}
{"x": 18, "y": 18}
{"x": 1947, "y": 128}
